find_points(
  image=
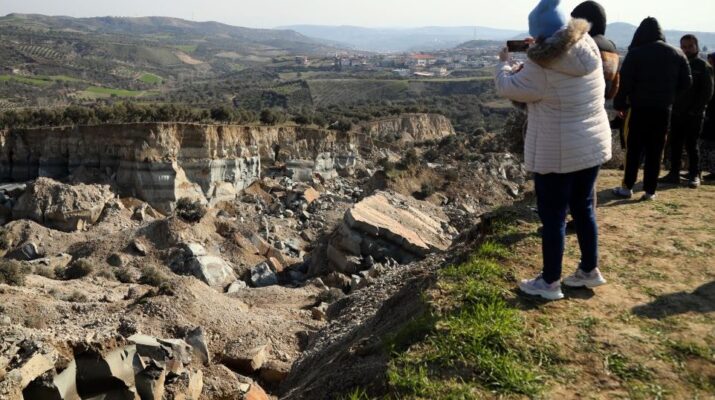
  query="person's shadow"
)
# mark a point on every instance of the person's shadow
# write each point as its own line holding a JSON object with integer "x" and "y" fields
{"x": 606, "y": 198}
{"x": 701, "y": 300}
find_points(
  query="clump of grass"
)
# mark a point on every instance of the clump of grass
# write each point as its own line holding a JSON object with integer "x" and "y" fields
{"x": 476, "y": 342}
{"x": 46, "y": 271}
{"x": 12, "y": 272}
{"x": 152, "y": 276}
{"x": 683, "y": 350}
{"x": 124, "y": 275}
{"x": 106, "y": 274}
{"x": 77, "y": 297}
{"x": 78, "y": 269}
{"x": 357, "y": 394}
{"x": 620, "y": 366}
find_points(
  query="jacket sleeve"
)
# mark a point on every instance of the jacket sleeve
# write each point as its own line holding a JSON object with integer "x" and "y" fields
{"x": 621, "y": 102}
{"x": 705, "y": 92}
{"x": 685, "y": 77}
{"x": 525, "y": 86}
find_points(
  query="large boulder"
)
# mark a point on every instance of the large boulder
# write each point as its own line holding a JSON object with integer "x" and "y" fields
{"x": 210, "y": 269}
{"x": 386, "y": 226}
{"x": 60, "y": 206}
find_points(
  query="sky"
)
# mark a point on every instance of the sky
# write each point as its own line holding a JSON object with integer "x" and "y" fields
{"x": 688, "y": 15}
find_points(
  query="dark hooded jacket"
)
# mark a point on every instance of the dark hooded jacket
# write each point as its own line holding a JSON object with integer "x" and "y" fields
{"x": 694, "y": 100}
{"x": 654, "y": 73}
{"x": 709, "y": 128}
{"x": 596, "y": 15}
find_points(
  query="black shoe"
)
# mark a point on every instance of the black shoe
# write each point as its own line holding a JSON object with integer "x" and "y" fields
{"x": 670, "y": 178}
{"x": 709, "y": 177}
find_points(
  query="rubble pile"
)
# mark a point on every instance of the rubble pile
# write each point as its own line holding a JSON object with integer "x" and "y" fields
{"x": 383, "y": 229}
{"x": 140, "y": 367}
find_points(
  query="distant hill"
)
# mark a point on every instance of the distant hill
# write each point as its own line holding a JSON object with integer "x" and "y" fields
{"x": 397, "y": 39}
{"x": 622, "y": 34}
{"x": 476, "y": 44}
{"x": 166, "y": 30}
{"x": 47, "y": 60}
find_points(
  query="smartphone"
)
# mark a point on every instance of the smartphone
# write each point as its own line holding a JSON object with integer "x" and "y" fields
{"x": 517, "y": 46}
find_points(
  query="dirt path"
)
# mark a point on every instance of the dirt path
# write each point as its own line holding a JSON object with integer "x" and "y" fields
{"x": 649, "y": 333}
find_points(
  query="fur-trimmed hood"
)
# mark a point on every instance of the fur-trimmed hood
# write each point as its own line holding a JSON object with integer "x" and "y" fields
{"x": 570, "y": 51}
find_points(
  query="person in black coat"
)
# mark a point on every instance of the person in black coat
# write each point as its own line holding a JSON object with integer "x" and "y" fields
{"x": 594, "y": 13}
{"x": 653, "y": 75}
{"x": 707, "y": 139}
{"x": 689, "y": 114}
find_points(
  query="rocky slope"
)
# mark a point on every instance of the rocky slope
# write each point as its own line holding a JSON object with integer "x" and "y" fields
{"x": 91, "y": 276}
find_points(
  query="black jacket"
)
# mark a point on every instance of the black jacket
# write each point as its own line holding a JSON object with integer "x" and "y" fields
{"x": 694, "y": 100}
{"x": 654, "y": 73}
{"x": 709, "y": 127}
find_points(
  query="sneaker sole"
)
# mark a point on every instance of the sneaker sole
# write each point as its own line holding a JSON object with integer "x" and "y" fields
{"x": 545, "y": 295}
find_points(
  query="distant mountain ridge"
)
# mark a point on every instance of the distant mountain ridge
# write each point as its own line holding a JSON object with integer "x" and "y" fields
{"x": 433, "y": 38}
{"x": 401, "y": 39}
{"x": 622, "y": 34}
{"x": 161, "y": 27}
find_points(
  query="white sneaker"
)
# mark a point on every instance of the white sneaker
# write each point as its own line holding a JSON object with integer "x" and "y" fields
{"x": 623, "y": 192}
{"x": 588, "y": 279}
{"x": 648, "y": 197}
{"x": 539, "y": 287}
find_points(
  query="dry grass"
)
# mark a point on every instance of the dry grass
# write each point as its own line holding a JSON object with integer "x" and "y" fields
{"x": 649, "y": 333}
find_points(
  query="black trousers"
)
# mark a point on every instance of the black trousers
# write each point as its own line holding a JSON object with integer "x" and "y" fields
{"x": 685, "y": 131}
{"x": 646, "y": 136}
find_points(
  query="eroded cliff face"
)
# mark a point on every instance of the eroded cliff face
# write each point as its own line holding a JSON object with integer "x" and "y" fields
{"x": 162, "y": 162}
{"x": 410, "y": 128}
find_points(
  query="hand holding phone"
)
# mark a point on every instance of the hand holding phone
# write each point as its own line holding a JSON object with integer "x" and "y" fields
{"x": 517, "y": 46}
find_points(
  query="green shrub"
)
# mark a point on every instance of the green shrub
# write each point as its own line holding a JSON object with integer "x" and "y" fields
{"x": 410, "y": 159}
{"x": 190, "y": 210}
{"x": 78, "y": 269}
{"x": 427, "y": 189}
{"x": 12, "y": 272}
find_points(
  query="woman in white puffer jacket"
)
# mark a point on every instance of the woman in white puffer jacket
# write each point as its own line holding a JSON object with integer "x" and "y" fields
{"x": 568, "y": 138}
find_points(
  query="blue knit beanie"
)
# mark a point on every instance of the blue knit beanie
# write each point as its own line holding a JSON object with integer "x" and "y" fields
{"x": 546, "y": 19}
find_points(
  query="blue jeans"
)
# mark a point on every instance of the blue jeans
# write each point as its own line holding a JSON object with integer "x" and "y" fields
{"x": 556, "y": 194}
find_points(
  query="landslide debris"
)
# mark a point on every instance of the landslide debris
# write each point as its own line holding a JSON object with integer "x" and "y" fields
{"x": 61, "y": 206}
{"x": 218, "y": 297}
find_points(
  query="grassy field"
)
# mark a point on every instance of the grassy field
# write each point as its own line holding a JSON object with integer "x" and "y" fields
{"x": 26, "y": 80}
{"x": 151, "y": 79}
{"x": 186, "y": 48}
{"x": 648, "y": 334}
{"x": 39, "y": 80}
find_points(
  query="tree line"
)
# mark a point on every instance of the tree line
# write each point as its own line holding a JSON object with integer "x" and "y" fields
{"x": 128, "y": 112}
